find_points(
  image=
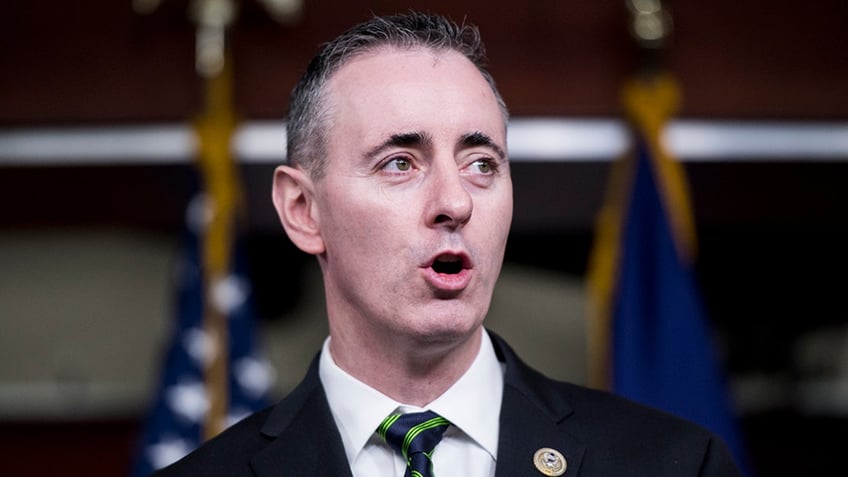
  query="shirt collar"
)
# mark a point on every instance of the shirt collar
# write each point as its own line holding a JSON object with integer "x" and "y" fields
{"x": 470, "y": 403}
{"x": 357, "y": 408}
{"x": 473, "y": 403}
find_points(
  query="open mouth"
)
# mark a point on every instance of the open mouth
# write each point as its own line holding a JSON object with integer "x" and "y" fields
{"x": 448, "y": 264}
{"x": 449, "y": 273}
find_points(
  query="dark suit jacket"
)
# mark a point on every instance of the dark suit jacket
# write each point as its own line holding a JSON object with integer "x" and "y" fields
{"x": 599, "y": 434}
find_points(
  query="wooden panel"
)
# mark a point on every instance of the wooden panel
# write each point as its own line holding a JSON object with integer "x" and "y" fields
{"x": 63, "y": 62}
{"x": 763, "y": 58}
{"x": 70, "y": 449}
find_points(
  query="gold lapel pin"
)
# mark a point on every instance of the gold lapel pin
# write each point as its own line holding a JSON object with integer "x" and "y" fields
{"x": 550, "y": 462}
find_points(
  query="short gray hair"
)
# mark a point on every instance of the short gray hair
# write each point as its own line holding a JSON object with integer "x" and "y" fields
{"x": 309, "y": 117}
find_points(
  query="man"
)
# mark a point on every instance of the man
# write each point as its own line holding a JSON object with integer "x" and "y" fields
{"x": 399, "y": 183}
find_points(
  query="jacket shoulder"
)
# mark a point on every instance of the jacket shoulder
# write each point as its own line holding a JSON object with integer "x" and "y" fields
{"x": 620, "y": 437}
{"x": 227, "y": 454}
{"x": 620, "y": 432}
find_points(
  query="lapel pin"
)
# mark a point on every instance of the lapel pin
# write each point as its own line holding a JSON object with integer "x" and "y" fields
{"x": 550, "y": 462}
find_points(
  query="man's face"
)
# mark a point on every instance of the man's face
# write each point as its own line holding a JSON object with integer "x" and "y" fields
{"x": 416, "y": 204}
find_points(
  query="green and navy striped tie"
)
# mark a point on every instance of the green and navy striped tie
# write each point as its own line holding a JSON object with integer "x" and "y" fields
{"x": 414, "y": 435}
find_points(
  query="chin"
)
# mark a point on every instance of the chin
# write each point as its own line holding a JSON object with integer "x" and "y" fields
{"x": 448, "y": 330}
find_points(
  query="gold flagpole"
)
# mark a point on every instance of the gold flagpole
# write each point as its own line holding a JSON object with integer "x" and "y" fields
{"x": 650, "y": 98}
{"x": 215, "y": 128}
{"x": 222, "y": 188}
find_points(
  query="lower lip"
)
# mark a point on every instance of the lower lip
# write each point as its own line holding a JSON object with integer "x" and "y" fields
{"x": 448, "y": 282}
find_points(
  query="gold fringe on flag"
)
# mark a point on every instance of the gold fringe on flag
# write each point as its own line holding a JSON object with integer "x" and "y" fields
{"x": 649, "y": 103}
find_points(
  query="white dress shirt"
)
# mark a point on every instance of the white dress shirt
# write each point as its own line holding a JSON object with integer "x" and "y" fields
{"x": 468, "y": 447}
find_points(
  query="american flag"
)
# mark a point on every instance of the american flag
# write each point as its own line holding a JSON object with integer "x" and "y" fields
{"x": 175, "y": 425}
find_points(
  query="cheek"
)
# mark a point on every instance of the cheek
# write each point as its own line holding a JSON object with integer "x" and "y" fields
{"x": 358, "y": 228}
{"x": 496, "y": 212}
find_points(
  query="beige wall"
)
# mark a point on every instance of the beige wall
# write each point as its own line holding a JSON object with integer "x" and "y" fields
{"x": 86, "y": 314}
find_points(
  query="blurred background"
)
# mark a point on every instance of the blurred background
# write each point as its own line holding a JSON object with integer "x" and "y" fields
{"x": 97, "y": 170}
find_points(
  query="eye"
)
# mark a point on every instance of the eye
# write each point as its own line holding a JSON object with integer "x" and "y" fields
{"x": 398, "y": 164}
{"x": 484, "y": 166}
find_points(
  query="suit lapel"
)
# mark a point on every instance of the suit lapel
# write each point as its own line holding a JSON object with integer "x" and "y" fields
{"x": 305, "y": 438}
{"x": 532, "y": 416}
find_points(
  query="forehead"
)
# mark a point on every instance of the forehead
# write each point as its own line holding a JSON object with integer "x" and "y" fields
{"x": 388, "y": 89}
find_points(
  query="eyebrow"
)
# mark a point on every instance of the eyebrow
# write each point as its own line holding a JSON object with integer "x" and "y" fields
{"x": 423, "y": 139}
{"x": 410, "y": 139}
{"x": 478, "y": 138}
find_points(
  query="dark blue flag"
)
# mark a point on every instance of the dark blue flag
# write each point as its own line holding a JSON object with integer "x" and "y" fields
{"x": 662, "y": 353}
{"x": 653, "y": 340}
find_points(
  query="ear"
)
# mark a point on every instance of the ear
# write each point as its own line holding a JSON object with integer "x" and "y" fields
{"x": 293, "y": 194}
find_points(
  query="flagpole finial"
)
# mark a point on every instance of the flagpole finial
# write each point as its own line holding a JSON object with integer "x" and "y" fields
{"x": 213, "y": 17}
{"x": 285, "y": 12}
{"x": 650, "y": 27}
{"x": 650, "y": 23}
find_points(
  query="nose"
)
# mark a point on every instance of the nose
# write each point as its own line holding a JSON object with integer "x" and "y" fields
{"x": 451, "y": 204}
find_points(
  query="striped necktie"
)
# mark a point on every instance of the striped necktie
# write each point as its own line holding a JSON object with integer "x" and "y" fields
{"x": 414, "y": 436}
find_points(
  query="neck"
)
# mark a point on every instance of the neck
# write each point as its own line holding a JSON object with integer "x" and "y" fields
{"x": 410, "y": 371}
